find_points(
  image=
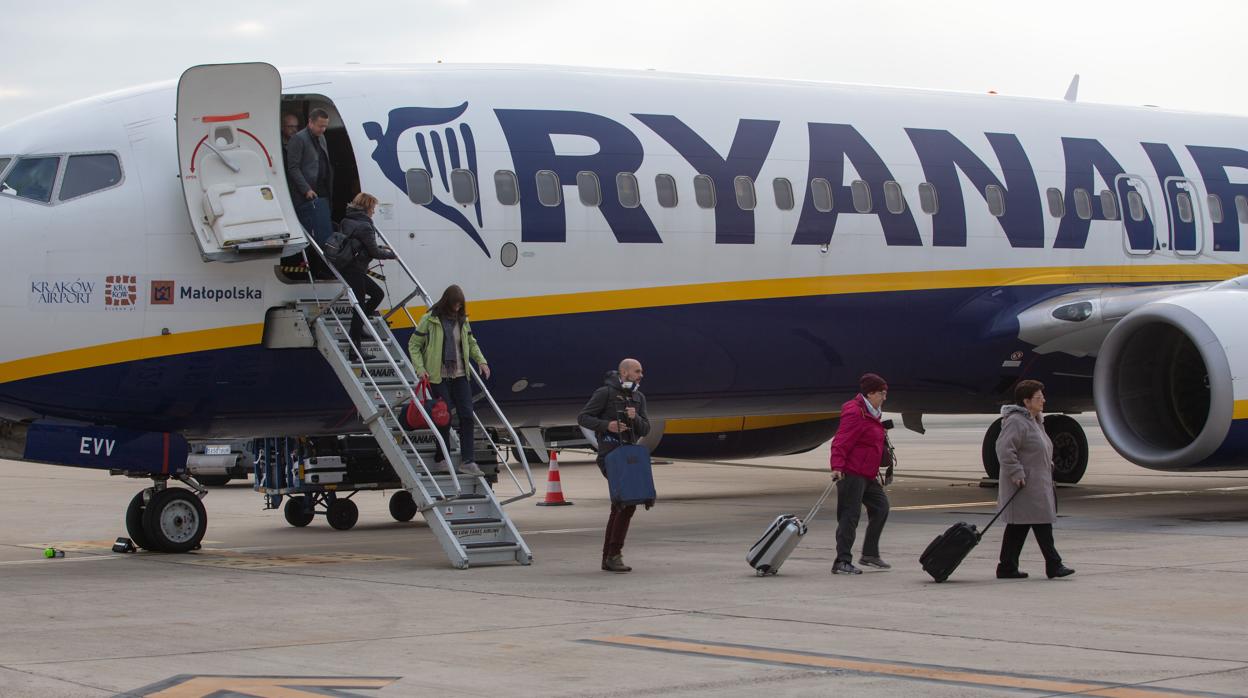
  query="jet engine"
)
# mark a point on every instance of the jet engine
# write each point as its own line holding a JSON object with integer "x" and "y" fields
{"x": 1171, "y": 381}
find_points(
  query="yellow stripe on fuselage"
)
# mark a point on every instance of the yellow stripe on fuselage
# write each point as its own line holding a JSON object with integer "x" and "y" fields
{"x": 1241, "y": 410}
{"x": 653, "y": 297}
{"x": 714, "y": 425}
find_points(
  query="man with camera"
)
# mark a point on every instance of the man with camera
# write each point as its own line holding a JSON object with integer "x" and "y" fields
{"x": 616, "y": 413}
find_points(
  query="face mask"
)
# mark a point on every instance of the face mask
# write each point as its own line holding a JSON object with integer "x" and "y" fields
{"x": 630, "y": 385}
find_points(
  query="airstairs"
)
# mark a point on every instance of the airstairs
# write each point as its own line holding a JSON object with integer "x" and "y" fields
{"x": 462, "y": 511}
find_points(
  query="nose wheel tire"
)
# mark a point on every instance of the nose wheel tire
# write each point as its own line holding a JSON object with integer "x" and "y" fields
{"x": 296, "y": 513}
{"x": 174, "y": 521}
{"x": 342, "y": 514}
{"x": 988, "y": 452}
{"x": 134, "y": 522}
{"x": 402, "y": 506}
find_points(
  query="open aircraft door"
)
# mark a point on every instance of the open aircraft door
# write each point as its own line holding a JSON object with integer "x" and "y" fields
{"x": 232, "y": 169}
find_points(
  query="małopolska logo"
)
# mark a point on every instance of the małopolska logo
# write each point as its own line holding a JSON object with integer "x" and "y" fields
{"x": 162, "y": 292}
{"x": 442, "y": 148}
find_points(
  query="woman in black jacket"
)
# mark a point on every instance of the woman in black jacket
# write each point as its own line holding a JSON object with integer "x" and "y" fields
{"x": 357, "y": 227}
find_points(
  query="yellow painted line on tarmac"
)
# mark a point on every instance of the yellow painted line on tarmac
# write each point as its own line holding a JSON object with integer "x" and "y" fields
{"x": 955, "y": 505}
{"x": 918, "y": 672}
{"x": 59, "y": 560}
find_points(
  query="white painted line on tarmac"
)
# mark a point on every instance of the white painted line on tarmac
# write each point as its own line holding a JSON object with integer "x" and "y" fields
{"x": 62, "y": 560}
{"x": 564, "y": 530}
{"x": 955, "y": 505}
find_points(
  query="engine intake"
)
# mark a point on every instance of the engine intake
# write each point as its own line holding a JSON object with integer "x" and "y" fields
{"x": 1163, "y": 385}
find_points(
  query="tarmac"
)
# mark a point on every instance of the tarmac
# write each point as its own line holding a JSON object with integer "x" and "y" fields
{"x": 1157, "y": 608}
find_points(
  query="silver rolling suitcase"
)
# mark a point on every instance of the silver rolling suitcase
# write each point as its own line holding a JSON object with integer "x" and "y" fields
{"x": 781, "y": 537}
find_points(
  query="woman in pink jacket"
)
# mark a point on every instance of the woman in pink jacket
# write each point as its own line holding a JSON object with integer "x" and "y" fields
{"x": 857, "y": 450}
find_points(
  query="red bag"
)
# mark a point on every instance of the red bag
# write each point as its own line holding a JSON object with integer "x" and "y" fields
{"x": 438, "y": 410}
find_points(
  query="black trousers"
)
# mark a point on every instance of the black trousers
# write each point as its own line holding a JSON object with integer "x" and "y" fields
{"x": 367, "y": 292}
{"x": 1012, "y": 545}
{"x": 852, "y": 493}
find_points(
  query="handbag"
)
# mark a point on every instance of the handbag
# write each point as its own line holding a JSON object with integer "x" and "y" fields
{"x": 437, "y": 409}
{"x": 888, "y": 461}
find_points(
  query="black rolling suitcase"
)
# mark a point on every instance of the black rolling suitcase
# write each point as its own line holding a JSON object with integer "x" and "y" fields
{"x": 949, "y": 549}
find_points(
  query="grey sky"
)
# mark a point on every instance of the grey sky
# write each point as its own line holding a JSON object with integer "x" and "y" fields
{"x": 1176, "y": 54}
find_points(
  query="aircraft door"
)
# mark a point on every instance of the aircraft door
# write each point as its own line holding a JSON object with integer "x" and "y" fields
{"x": 231, "y": 162}
{"x": 1186, "y": 222}
{"x": 1139, "y": 232}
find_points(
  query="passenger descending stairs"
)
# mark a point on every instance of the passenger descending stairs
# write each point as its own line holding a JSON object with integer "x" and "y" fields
{"x": 462, "y": 511}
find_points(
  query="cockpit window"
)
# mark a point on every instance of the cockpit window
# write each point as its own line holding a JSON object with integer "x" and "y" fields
{"x": 4, "y": 162}
{"x": 31, "y": 178}
{"x": 85, "y": 174}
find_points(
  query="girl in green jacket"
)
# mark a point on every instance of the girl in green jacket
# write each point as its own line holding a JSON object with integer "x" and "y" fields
{"x": 445, "y": 364}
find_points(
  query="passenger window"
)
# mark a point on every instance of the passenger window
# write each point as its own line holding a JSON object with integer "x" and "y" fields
{"x": 894, "y": 200}
{"x": 588, "y": 188}
{"x": 507, "y": 186}
{"x": 85, "y": 174}
{"x": 821, "y": 194}
{"x": 1135, "y": 206}
{"x": 1109, "y": 205}
{"x": 744, "y": 188}
{"x": 628, "y": 189}
{"x": 1215, "y": 208}
{"x": 1183, "y": 201}
{"x": 1241, "y": 208}
{"x": 862, "y": 196}
{"x": 419, "y": 187}
{"x": 31, "y": 178}
{"x": 927, "y": 199}
{"x": 549, "y": 192}
{"x": 463, "y": 187}
{"x": 665, "y": 184}
{"x": 704, "y": 191}
{"x": 1083, "y": 204}
{"x": 996, "y": 200}
{"x": 1057, "y": 207}
{"x": 783, "y": 190}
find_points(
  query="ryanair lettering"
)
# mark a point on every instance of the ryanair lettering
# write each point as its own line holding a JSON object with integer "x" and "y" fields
{"x": 945, "y": 159}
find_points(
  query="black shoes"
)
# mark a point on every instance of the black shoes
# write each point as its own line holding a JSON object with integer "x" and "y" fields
{"x": 1060, "y": 571}
{"x": 1004, "y": 573}
{"x": 615, "y": 563}
{"x": 874, "y": 561}
{"x": 840, "y": 567}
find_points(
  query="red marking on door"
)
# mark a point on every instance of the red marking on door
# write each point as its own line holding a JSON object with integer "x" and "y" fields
{"x": 226, "y": 117}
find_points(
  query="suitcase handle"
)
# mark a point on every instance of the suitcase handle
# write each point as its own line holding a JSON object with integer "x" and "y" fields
{"x": 819, "y": 503}
{"x": 1000, "y": 511}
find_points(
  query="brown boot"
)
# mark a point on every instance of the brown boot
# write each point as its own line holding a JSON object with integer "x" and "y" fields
{"x": 615, "y": 563}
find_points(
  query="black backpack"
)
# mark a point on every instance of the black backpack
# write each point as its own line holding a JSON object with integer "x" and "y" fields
{"x": 340, "y": 248}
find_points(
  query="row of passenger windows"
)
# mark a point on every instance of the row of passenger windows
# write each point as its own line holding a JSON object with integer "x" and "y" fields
{"x": 589, "y": 190}
{"x": 35, "y": 178}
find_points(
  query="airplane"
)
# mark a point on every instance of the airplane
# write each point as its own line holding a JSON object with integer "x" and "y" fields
{"x": 758, "y": 244}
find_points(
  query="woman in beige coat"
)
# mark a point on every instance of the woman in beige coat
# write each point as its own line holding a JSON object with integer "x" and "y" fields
{"x": 1026, "y": 456}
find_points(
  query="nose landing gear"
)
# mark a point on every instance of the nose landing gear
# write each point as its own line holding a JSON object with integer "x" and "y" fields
{"x": 167, "y": 519}
{"x": 1070, "y": 449}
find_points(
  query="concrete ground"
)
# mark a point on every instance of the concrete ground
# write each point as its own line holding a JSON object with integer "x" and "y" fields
{"x": 1157, "y": 608}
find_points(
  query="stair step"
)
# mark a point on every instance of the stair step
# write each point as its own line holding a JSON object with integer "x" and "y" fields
{"x": 491, "y": 545}
{"x": 478, "y": 522}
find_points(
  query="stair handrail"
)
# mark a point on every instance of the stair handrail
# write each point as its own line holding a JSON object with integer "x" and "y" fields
{"x": 420, "y": 290}
{"x": 356, "y": 308}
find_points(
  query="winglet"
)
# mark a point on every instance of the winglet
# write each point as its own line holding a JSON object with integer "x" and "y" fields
{"x": 1072, "y": 92}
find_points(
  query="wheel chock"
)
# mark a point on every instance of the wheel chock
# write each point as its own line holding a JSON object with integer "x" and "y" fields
{"x": 124, "y": 545}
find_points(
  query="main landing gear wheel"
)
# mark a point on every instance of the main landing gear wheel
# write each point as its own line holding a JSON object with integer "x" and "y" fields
{"x": 988, "y": 452}
{"x": 174, "y": 521}
{"x": 1070, "y": 448}
{"x": 134, "y": 522}
{"x": 402, "y": 506}
{"x": 342, "y": 514}
{"x": 296, "y": 513}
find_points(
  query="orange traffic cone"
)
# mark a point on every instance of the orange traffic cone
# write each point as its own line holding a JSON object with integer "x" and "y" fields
{"x": 554, "y": 487}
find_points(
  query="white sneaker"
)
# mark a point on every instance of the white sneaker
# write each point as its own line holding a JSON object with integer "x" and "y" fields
{"x": 471, "y": 468}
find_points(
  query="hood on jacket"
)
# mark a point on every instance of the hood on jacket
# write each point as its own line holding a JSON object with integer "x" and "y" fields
{"x": 612, "y": 380}
{"x": 1015, "y": 409}
{"x": 357, "y": 214}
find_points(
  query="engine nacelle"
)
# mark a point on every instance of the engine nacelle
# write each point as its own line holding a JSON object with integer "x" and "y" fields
{"x": 1171, "y": 382}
